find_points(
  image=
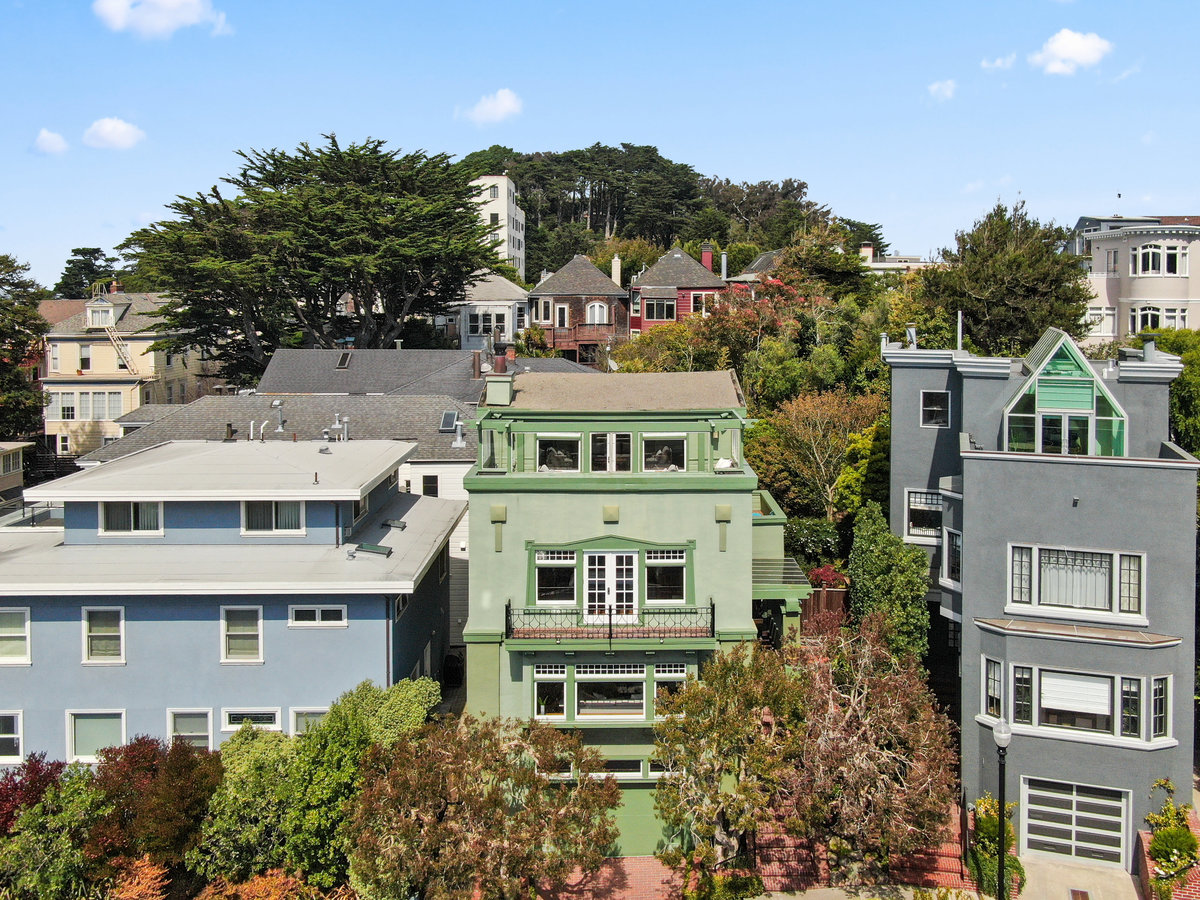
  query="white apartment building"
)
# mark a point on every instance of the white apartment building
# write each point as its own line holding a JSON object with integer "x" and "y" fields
{"x": 1139, "y": 272}
{"x": 498, "y": 208}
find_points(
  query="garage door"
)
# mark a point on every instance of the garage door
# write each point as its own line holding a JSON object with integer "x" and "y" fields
{"x": 1076, "y": 820}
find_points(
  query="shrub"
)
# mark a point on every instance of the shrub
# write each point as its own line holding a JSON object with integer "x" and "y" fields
{"x": 272, "y": 885}
{"x": 812, "y": 541}
{"x": 1172, "y": 844}
{"x": 24, "y": 786}
{"x": 826, "y": 576}
{"x": 1170, "y": 814}
{"x": 140, "y": 879}
{"x": 732, "y": 885}
{"x": 982, "y": 858}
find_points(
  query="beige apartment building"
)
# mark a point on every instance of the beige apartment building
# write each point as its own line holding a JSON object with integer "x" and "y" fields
{"x": 99, "y": 366}
{"x": 498, "y": 208}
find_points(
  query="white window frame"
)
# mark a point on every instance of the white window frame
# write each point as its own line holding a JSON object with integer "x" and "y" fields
{"x": 276, "y": 532}
{"x": 930, "y": 539}
{"x": 555, "y": 436}
{"x": 1112, "y": 614}
{"x": 611, "y": 677}
{"x": 1112, "y": 738}
{"x": 27, "y": 660}
{"x": 668, "y": 672}
{"x": 55, "y": 360}
{"x": 949, "y": 409}
{"x": 985, "y": 689}
{"x": 594, "y": 308}
{"x": 12, "y": 461}
{"x": 556, "y": 672}
{"x": 945, "y": 580}
{"x": 679, "y": 562}
{"x": 610, "y": 450}
{"x": 227, "y": 728}
{"x": 72, "y": 713}
{"x": 132, "y": 532}
{"x": 83, "y": 623}
{"x": 20, "y": 736}
{"x": 661, "y": 436}
{"x": 225, "y": 660}
{"x": 319, "y": 608}
{"x": 555, "y": 563}
{"x": 303, "y": 710}
{"x": 194, "y": 711}
{"x": 64, "y": 445}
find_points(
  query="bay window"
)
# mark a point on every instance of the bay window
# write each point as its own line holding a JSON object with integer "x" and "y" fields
{"x": 1070, "y": 700}
{"x": 992, "y": 701}
{"x": 1085, "y": 580}
{"x": 1159, "y": 259}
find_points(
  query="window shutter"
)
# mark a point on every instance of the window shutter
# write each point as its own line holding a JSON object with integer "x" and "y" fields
{"x": 1078, "y": 693}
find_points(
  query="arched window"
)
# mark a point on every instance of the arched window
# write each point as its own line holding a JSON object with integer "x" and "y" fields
{"x": 597, "y": 313}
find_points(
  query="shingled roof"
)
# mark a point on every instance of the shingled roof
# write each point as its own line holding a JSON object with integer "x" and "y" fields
{"x": 132, "y": 313}
{"x": 578, "y": 278}
{"x": 400, "y": 372}
{"x": 411, "y": 418}
{"x": 678, "y": 270}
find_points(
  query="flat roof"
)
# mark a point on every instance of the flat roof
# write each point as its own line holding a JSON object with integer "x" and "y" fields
{"x": 238, "y": 470}
{"x": 14, "y": 445}
{"x": 35, "y": 561}
{"x": 633, "y": 391}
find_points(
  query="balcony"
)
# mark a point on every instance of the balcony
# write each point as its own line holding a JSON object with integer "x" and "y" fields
{"x": 570, "y": 338}
{"x": 653, "y": 623}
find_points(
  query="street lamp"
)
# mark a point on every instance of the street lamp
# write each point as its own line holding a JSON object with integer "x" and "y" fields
{"x": 1002, "y": 735}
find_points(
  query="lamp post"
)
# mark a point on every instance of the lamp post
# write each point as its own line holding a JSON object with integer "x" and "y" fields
{"x": 1002, "y": 735}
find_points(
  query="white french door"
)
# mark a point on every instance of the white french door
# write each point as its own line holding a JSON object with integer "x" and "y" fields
{"x": 611, "y": 587}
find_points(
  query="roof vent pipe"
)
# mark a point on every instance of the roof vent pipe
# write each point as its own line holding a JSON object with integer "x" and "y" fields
{"x": 345, "y": 428}
{"x": 910, "y": 332}
{"x": 883, "y": 341}
{"x": 251, "y": 431}
{"x": 458, "y": 443}
{"x": 476, "y": 361}
{"x": 262, "y": 430}
{"x": 960, "y": 329}
{"x": 229, "y": 431}
{"x": 1149, "y": 347}
{"x": 398, "y": 343}
{"x": 724, "y": 265}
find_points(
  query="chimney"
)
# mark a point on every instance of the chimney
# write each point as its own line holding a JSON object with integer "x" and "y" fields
{"x": 398, "y": 343}
{"x": 706, "y": 255}
{"x": 616, "y": 269}
{"x": 476, "y": 362}
{"x": 867, "y": 251}
{"x": 510, "y": 353}
{"x": 115, "y": 287}
{"x": 501, "y": 364}
{"x": 724, "y": 265}
{"x": 499, "y": 389}
{"x": 229, "y": 431}
{"x": 1149, "y": 347}
{"x": 910, "y": 332}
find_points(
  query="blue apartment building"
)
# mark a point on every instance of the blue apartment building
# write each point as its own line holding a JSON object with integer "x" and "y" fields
{"x": 196, "y": 585}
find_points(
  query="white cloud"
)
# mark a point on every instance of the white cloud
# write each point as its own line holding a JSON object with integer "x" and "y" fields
{"x": 1132, "y": 70}
{"x": 942, "y": 90}
{"x": 159, "y": 18}
{"x": 1069, "y": 50}
{"x": 497, "y": 107}
{"x": 50, "y": 142}
{"x": 972, "y": 186}
{"x": 112, "y": 134}
{"x": 1000, "y": 62}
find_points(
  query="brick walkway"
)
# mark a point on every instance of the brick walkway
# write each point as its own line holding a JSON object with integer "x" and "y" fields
{"x": 627, "y": 878}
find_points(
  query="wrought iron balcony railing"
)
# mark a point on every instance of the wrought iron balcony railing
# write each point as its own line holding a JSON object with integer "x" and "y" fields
{"x": 548, "y": 623}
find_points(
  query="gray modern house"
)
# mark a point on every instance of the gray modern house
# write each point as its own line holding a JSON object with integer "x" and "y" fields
{"x": 1061, "y": 525}
{"x": 197, "y": 585}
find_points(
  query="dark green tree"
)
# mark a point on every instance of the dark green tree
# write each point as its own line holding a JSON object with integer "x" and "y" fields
{"x": 889, "y": 577}
{"x": 85, "y": 267}
{"x": 495, "y": 160}
{"x": 1012, "y": 279}
{"x": 709, "y": 224}
{"x": 315, "y": 246}
{"x": 21, "y": 330}
{"x": 860, "y": 233}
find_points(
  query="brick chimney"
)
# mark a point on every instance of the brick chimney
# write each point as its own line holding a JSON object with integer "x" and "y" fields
{"x": 706, "y": 252}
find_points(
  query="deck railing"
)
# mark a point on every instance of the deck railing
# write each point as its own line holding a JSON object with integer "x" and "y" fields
{"x": 547, "y": 623}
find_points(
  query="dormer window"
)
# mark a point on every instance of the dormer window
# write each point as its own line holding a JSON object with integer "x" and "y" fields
{"x": 1064, "y": 409}
{"x": 100, "y": 314}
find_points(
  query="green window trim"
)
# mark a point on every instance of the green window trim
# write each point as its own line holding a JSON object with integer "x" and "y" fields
{"x": 649, "y": 554}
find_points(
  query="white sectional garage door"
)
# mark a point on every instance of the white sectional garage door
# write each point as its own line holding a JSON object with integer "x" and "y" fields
{"x": 1087, "y": 823}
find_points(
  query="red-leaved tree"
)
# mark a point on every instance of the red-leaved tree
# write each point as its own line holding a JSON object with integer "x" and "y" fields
{"x": 23, "y": 786}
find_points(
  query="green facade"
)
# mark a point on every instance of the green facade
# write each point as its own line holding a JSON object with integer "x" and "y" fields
{"x": 594, "y": 591}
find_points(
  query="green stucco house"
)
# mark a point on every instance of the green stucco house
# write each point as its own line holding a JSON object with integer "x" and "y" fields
{"x": 617, "y": 539}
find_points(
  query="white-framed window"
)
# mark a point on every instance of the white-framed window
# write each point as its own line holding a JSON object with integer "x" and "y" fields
{"x": 55, "y": 357}
{"x": 103, "y": 635}
{"x": 555, "y": 577}
{"x": 1159, "y": 259}
{"x": 550, "y": 691}
{"x": 1112, "y": 261}
{"x": 14, "y": 636}
{"x": 304, "y": 718}
{"x": 494, "y": 192}
{"x": 702, "y": 302}
{"x": 11, "y": 740}
{"x": 360, "y": 508}
{"x": 83, "y": 406}
{"x": 192, "y": 726}
{"x": 317, "y": 617}
{"x": 660, "y": 309}
{"x": 596, "y": 313}
{"x": 669, "y": 678}
{"x": 558, "y": 453}
{"x": 666, "y": 580}
{"x": 1082, "y": 581}
{"x": 129, "y": 517}
{"x": 635, "y": 308}
{"x": 100, "y": 316}
{"x": 923, "y": 520}
{"x": 610, "y": 690}
{"x": 952, "y": 550}
{"x": 64, "y": 445}
{"x": 241, "y": 634}
{"x": 1103, "y": 321}
{"x": 85, "y": 357}
{"x": 664, "y": 453}
{"x": 273, "y": 517}
{"x": 1160, "y": 706}
{"x": 266, "y": 718}
{"x": 91, "y": 730}
{"x": 935, "y": 409}
{"x": 993, "y": 700}
{"x": 562, "y": 315}
{"x": 10, "y": 462}
{"x": 611, "y": 451}
{"x": 1131, "y": 707}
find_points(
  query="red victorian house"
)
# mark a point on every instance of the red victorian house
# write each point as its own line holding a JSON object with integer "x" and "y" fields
{"x": 581, "y": 310}
{"x": 672, "y": 289}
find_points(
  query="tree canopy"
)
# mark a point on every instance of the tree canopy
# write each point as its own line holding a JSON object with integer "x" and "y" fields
{"x": 314, "y": 246}
{"x": 1012, "y": 280}
{"x": 84, "y": 267}
{"x": 21, "y": 330}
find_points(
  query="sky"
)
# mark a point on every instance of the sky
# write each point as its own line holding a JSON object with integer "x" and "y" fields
{"x": 916, "y": 115}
